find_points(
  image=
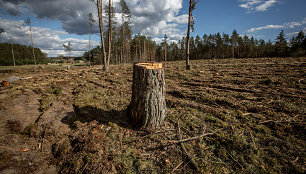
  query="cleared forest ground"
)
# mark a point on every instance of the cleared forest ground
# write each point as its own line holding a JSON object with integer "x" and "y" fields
{"x": 74, "y": 121}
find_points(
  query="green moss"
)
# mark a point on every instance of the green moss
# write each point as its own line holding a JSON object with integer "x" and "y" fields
{"x": 45, "y": 102}
{"x": 126, "y": 160}
{"x": 29, "y": 130}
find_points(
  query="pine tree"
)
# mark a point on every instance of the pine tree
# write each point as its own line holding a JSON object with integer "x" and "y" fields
{"x": 99, "y": 5}
{"x": 234, "y": 39}
{"x": 28, "y": 22}
{"x": 192, "y": 4}
{"x": 165, "y": 45}
{"x": 281, "y": 44}
{"x": 109, "y": 34}
{"x": 90, "y": 22}
{"x": 13, "y": 55}
{"x": 68, "y": 48}
{"x": 125, "y": 14}
{"x": 219, "y": 45}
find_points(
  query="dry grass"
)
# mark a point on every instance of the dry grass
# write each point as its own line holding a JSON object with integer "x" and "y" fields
{"x": 258, "y": 103}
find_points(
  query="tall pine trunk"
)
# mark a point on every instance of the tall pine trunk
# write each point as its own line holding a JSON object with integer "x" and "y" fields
{"x": 123, "y": 39}
{"x": 13, "y": 56}
{"x": 32, "y": 46}
{"x": 99, "y": 7}
{"x": 144, "y": 50}
{"x": 165, "y": 52}
{"x": 188, "y": 36}
{"x": 89, "y": 44}
{"x": 109, "y": 34}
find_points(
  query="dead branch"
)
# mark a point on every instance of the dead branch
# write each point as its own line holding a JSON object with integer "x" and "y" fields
{"x": 193, "y": 138}
{"x": 300, "y": 80}
{"x": 177, "y": 167}
{"x": 191, "y": 159}
{"x": 13, "y": 149}
{"x": 234, "y": 159}
{"x": 278, "y": 121}
{"x": 170, "y": 143}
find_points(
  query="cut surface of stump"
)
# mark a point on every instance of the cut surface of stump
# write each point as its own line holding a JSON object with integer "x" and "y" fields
{"x": 147, "y": 109}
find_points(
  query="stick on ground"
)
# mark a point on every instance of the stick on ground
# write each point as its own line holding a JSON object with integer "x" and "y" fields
{"x": 191, "y": 159}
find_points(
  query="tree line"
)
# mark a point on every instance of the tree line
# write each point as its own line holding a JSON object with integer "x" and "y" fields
{"x": 17, "y": 54}
{"x": 143, "y": 48}
{"x": 123, "y": 47}
{"x": 21, "y": 50}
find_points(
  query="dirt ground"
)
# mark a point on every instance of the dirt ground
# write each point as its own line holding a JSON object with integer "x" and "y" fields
{"x": 250, "y": 113}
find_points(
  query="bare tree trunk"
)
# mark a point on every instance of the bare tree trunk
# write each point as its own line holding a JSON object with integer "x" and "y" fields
{"x": 123, "y": 38}
{"x": 136, "y": 50}
{"x": 126, "y": 52}
{"x": 109, "y": 34}
{"x": 89, "y": 45}
{"x": 13, "y": 56}
{"x": 116, "y": 56}
{"x": 32, "y": 46}
{"x": 166, "y": 52}
{"x": 188, "y": 36}
{"x": 149, "y": 52}
{"x": 99, "y": 6}
{"x": 144, "y": 50}
{"x": 140, "y": 55}
{"x": 147, "y": 109}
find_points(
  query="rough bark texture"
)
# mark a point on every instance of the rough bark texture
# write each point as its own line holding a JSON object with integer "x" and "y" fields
{"x": 99, "y": 8}
{"x": 147, "y": 109}
{"x": 188, "y": 36}
{"x": 32, "y": 46}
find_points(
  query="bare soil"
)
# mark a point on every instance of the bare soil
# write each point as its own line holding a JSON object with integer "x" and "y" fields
{"x": 57, "y": 120}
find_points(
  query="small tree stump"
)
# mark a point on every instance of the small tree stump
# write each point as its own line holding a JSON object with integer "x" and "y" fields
{"x": 147, "y": 109}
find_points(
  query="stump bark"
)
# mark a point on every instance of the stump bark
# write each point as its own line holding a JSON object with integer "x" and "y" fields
{"x": 147, "y": 109}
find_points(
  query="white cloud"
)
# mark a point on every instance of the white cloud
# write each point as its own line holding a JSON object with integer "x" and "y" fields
{"x": 292, "y": 24}
{"x": 265, "y": 5}
{"x": 157, "y": 40}
{"x": 149, "y": 17}
{"x": 265, "y": 27}
{"x": 152, "y": 18}
{"x": 285, "y": 25}
{"x": 296, "y": 32}
{"x": 155, "y": 18}
{"x": 257, "y": 5}
{"x": 48, "y": 40}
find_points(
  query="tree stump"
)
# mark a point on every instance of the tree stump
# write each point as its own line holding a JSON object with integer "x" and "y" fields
{"x": 147, "y": 109}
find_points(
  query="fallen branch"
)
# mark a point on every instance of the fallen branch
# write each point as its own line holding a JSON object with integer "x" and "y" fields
{"x": 300, "y": 80}
{"x": 177, "y": 167}
{"x": 26, "y": 78}
{"x": 13, "y": 149}
{"x": 234, "y": 159}
{"x": 170, "y": 143}
{"x": 193, "y": 138}
{"x": 278, "y": 121}
{"x": 191, "y": 159}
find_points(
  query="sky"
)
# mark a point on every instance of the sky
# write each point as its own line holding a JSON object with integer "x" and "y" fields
{"x": 57, "y": 22}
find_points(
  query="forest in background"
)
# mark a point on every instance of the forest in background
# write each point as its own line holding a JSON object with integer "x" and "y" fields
{"x": 143, "y": 48}
{"x": 122, "y": 46}
{"x": 22, "y": 55}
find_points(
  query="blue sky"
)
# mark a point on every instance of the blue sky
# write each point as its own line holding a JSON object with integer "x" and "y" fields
{"x": 56, "y": 22}
{"x": 226, "y": 15}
